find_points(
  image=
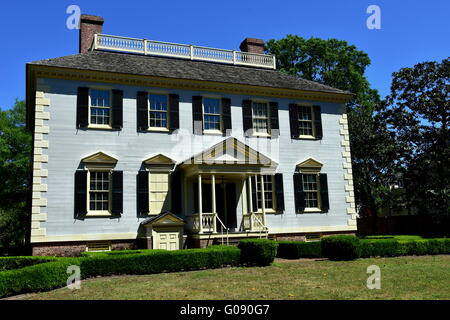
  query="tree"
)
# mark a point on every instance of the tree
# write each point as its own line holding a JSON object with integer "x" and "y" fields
{"x": 417, "y": 112}
{"x": 15, "y": 170}
{"x": 336, "y": 63}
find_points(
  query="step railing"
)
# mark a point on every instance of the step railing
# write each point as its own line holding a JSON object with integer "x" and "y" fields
{"x": 262, "y": 228}
{"x": 184, "y": 51}
{"x": 221, "y": 229}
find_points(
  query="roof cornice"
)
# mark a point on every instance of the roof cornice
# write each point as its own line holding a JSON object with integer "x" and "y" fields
{"x": 40, "y": 71}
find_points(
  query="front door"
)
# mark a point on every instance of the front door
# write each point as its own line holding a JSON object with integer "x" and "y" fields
{"x": 226, "y": 205}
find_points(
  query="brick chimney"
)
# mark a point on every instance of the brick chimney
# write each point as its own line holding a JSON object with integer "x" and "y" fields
{"x": 252, "y": 45}
{"x": 89, "y": 25}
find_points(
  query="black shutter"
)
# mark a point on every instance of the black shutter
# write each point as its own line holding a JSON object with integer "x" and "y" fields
{"x": 117, "y": 192}
{"x": 325, "y": 203}
{"x": 274, "y": 125}
{"x": 142, "y": 192}
{"x": 226, "y": 114}
{"x": 174, "y": 110}
{"x": 142, "y": 111}
{"x": 175, "y": 192}
{"x": 117, "y": 109}
{"x": 247, "y": 120}
{"x": 293, "y": 121}
{"x": 82, "y": 107}
{"x": 299, "y": 195}
{"x": 80, "y": 207}
{"x": 254, "y": 197}
{"x": 318, "y": 122}
{"x": 279, "y": 192}
{"x": 197, "y": 114}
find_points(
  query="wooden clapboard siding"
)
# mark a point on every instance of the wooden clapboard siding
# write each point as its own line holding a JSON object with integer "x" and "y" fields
{"x": 67, "y": 146}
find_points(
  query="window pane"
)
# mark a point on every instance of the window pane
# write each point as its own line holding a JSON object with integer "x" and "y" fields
{"x": 211, "y": 114}
{"x": 158, "y": 111}
{"x": 260, "y": 117}
{"x": 100, "y": 106}
{"x": 305, "y": 120}
{"x": 310, "y": 188}
{"x": 159, "y": 190}
{"x": 99, "y": 191}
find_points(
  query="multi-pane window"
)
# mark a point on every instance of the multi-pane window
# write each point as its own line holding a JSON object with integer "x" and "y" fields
{"x": 311, "y": 190}
{"x": 159, "y": 191}
{"x": 305, "y": 121}
{"x": 158, "y": 111}
{"x": 268, "y": 191}
{"x": 100, "y": 107}
{"x": 99, "y": 189}
{"x": 211, "y": 114}
{"x": 260, "y": 115}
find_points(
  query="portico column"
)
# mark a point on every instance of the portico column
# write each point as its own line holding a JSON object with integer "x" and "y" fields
{"x": 263, "y": 199}
{"x": 213, "y": 193}
{"x": 249, "y": 198}
{"x": 200, "y": 203}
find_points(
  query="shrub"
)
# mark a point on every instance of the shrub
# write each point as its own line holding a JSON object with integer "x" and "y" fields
{"x": 10, "y": 263}
{"x": 381, "y": 248}
{"x": 299, "y": 249}
{"x": 341, "y": 247}
{"x": 39, "y": 277}
{"x": 257, "y": 252}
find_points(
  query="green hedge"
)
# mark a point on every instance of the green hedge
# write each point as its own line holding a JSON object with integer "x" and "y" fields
{"x": 11, "y": 263}
{"x": 299, "y": 249}
{"x": 39, "y": 277}
{"x": 257, "y": 252}
{"x": 341, "y": 247}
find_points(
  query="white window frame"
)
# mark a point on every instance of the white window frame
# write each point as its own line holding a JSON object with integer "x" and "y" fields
{"x": 94, "y": 125}
{"x": 161, "y": 129}
{"x": 168, "y": 195}
{"x": 269, "y": 124}
{"x": 213, "y": 131}
{"x": 316, "y": 173}
{"x": 259, "y": 195}
{"x": 313, "y": 127}
{"x": 98, "y": 212}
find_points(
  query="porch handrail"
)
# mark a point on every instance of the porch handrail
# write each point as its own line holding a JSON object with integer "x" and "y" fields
{"x": 262, "y": 225}
{"x": 223, "y": 227}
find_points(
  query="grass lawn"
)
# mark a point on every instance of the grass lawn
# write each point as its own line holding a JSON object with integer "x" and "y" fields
{"x": 421, "y": 277}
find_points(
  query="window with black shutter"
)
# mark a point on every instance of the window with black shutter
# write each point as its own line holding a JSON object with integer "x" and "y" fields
{"x": 117, "y": 109}
{"x": 83, "y": 107}
{"x": 279, "y": 192}
{"x": 197, "y": 115}
{"x": 142, "y": 111}
{"x": 117, "y": 192}
{"x": 274, "y": 123}
{"x": 305, "y": 121}
{"x": 80, "y": 200}
{"x": 226, "y": 113}
{"x": 142, "y": 193}
{"x": 247, "y": 119}
{"x": 174, "y": 110}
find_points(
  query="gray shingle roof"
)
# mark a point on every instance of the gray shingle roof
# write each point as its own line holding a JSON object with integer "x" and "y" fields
{"x": 183, "y": 69}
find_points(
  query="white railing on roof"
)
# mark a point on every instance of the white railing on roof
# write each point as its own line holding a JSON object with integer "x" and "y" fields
{"x": 185, "y": 51}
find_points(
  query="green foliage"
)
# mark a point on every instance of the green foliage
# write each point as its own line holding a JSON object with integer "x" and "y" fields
{"x": 9, "y": 263}
{"x": 417, "y": 112}
{"x": 258, "y": 252}
{"x": 341, "y": 247}
{"x": 39, "y": 277}
{"x": 15, "y": 170}
{"x": 299, "y": 249}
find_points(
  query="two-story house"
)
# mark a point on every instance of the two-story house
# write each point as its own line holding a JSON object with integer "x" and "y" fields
{"x": 141, "y": 143}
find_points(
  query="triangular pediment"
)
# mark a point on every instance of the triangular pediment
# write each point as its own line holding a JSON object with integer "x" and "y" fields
{"x": 310, "y": 163}
{"x": 164, "y": 219}
{"x": 231, "y": 151}
{"x": 159, "y": 159}
{"x": 99, "y": 158}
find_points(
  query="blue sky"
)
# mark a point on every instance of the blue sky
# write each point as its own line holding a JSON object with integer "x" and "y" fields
{"x": 411, "y": 31}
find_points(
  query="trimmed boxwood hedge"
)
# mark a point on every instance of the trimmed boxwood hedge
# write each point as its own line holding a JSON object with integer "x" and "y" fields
{"x": 10, "y": 263}
{"x": 341, "y": 247}
{"x": 299, "y": 249}
{"x": 257, "y": 252}
{"x": 50, "y": 275}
